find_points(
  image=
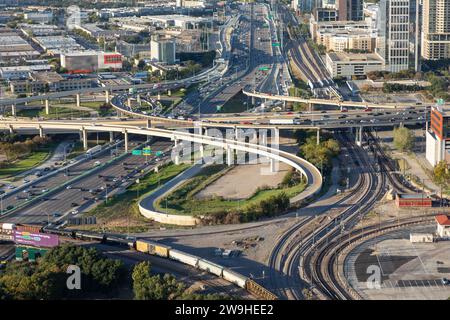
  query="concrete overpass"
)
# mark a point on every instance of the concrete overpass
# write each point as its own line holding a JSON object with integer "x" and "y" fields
{"x": 307, "y": 170}
{"x": 337, "y": 103}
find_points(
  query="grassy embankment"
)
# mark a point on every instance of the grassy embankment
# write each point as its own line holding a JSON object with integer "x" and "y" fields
{"x": 28, "y": 162}
{"x": 121, "y": 213}
{"x": 183, "y": 200}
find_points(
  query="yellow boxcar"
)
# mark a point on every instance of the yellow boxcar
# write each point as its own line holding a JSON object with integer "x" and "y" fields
{"x": 162, "y": 251}
{"x": 142, "y": 246}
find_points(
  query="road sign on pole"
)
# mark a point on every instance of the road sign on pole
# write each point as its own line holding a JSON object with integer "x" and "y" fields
{"x": 136, "y": 152}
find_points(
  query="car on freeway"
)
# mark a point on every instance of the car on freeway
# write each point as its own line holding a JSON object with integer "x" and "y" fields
{"x": 96, "y": 163}
{"x": 74, "y": 204}
{"x": 56, "y": 215}
{"x": 74, "y": 212}
{"x": 445, "y": 281}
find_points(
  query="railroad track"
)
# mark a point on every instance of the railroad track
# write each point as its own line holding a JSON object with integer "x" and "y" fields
{"x": 365, "y": 198}
{"x": 398, "y": 184}
{"x": 292, "y": 246}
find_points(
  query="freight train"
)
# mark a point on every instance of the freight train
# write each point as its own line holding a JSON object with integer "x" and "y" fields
{"x": 161, "y": 250}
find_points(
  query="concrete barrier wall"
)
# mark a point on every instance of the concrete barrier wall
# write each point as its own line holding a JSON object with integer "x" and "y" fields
{"x": 180, "y": 220}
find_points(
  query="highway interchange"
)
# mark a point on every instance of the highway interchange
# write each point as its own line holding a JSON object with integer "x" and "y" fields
{"x": 293, "y": 259}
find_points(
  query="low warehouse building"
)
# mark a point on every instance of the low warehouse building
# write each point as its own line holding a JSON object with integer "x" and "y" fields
{"x": 413, "y": 200}
{"x": 443, "y": 225}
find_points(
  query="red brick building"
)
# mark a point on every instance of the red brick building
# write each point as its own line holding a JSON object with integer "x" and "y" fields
{"x": 413, "y": 200}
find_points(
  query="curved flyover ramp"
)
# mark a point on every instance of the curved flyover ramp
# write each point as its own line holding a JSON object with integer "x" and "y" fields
{"x": 309, "y": 171}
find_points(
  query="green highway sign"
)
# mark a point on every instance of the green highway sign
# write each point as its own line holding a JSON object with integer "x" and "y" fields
{"x": 147, "y": 152}
{"x": 159, "y": 153}
{"x": 147, "y": 148}
{"x": 218, "y": 108}
{"x": 264, "y": 69}
{"x": 136, "y": 152}
{"x": 440, "y": 102}
{"x": 275, "y": 44}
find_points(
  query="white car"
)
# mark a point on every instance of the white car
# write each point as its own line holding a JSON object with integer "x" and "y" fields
{"x": 74, "y": 212}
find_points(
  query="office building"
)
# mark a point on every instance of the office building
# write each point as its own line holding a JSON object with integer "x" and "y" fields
{"x": 350, "y": 10}
{"x": 351, "y": 64}
{"x": 438, "y": 136}
{"x": 162, "y": 50}
{"x": 39, "y": 17}
{"x": 90, "y": 61}
{"x": 394, "y": 34}
{"x": 325, "y": 14}
{"x": 436, "y": 30}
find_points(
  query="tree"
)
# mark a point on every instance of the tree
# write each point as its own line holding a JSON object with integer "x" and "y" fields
{"x": 441, "y": 175}
{"x": 403, "y": 139}
{"x": 148, "y": 287}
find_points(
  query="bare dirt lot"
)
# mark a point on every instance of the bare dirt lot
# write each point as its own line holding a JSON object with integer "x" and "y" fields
{"x": 242, "y": 181}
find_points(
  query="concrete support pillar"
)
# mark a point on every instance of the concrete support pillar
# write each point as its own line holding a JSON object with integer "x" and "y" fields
{"x": 111, "y": 136}
{"x": 359, "y": 136}
{"x": 149, "y": 123}
{"x": 11, "y": 129}
{"x": 230, "y": 156}
{"x": 85, "y": 142}
{"x": 78, "y": 98}
{"x": 236, "y": 133}
{"x": 177, "y": 156}
{"x": 149, "y": 138}
{"x": 158, "y": 96}
{"x": 253, "y": 101}
{"x": 125, "y": 137}
{"x": 169, "y": 92}
{"x": 318, "y": 136}
{"x": 47, "y": 106}
{"x": 13, "y": 110}
{"x": 272, "y": 165}
{"x": 138, "y": 99}
{"x": 264, "y": 138}
{"x": 129, "y": 103}
{"x": 255, "y": 136}
{"x": 41, "y": 132}
{"x": 310, "y": 106}
{"x": 107, "y": 96}
{"x": 284, "y": 104}
{"x": 276, "y": 137}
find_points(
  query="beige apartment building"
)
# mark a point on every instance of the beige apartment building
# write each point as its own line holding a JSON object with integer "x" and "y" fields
{"x": 436, "y": 29}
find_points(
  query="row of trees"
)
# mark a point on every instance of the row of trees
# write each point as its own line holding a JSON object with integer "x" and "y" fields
{"x": 155, "y": 287}
{"x": 386, "y": 75}
{"x": 17, "y": 149}
{"x": 403, "y": 139}
{"x": 397, "y": 87}
{"x": 269, "y": 207}
{"x": 320, "y": 154}
{"x": 47, "y": 278}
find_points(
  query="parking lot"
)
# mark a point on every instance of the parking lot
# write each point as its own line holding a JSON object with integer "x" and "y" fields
{"x": 408, "y": 271}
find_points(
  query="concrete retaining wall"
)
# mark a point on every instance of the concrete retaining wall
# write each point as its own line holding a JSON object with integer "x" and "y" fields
{"x": 180, "y": 220}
